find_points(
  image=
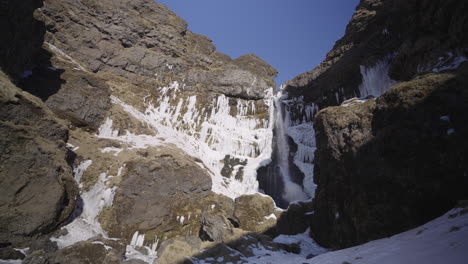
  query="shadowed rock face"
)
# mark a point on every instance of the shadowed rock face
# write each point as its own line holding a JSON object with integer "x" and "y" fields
{"x": 393, "y": 163}
{"x": 19, "y": 47}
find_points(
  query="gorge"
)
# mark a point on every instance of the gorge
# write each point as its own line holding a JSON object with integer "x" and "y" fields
{"x": 127, "y": 138}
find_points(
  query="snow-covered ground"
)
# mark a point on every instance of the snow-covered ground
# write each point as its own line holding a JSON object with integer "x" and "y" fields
{"x": 443, "y": 240}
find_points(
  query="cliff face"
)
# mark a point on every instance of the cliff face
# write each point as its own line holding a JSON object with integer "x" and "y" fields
{"x": 136, "y": 62}
{"x": 388, "y": 164}
{"x": 155, "y": 126}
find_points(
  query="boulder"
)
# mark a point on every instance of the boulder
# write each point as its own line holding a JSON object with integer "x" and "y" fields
{"x": 256, "y": 213}
{"x": 161, "y": 195}
{"x": 176, "y": 252}
{"x": 90, "y": 252}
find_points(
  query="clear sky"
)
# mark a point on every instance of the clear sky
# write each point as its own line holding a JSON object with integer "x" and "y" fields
{"x": 291, "y": 35}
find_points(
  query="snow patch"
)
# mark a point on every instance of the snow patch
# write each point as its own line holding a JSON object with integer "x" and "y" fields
{"x": 435, "y": 242}
{"x": 272, "y": 216}
{"x": 105, "y": 130}
{"x": 112, "y": 149}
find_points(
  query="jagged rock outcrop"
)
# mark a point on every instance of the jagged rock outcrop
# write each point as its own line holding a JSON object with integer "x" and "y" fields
{"x": 410, "y": 36}
{"x": 37, "y": 190}
{"x": 142, "y": 39}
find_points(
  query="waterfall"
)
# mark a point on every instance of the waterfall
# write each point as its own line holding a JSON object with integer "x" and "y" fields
{"x": 292, "y": 191}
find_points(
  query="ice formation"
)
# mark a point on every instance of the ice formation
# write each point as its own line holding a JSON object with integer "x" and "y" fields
{"x": 375, "y": 80}
{"x": 207, "y": 131}
{"x": 86, "y": 224}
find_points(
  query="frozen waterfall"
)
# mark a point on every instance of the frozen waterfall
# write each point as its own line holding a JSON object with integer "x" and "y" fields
{"x": 292, "y": 191}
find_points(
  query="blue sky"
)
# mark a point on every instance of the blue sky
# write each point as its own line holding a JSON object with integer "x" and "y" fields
{"x": 291, "y": 35}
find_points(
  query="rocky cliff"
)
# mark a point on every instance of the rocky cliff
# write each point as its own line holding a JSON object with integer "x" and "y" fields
{"x": 388, "y": 164}
{"x": 126, "y": 134}
{"x": 127, "y": 138}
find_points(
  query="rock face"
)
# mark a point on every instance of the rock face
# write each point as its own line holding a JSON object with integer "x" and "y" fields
{"x": 382, "y": 165}
{"x": 37, "y": 189}
{"x": 393, "y": 163}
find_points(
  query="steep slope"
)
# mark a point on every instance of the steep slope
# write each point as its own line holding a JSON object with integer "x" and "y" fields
{"x": 386, "y": 165}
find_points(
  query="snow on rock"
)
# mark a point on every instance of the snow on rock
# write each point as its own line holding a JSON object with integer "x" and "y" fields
{"x": 132, "y": 252}
{"x": 353, "y": 101}
{"x": 375, "y": 80}
{"x": 64, "y": 57}
{"x": 206, "y": 131}
{"x": 307, "y": 244}
{"x": 449, "y": 61}
{"x": 80, "y": 169}
{"x": 264, "y": 255}
{"x": 271, "y": 216}
{"x": 86, "y": 224}
{"x": 105, "y": 130}
{"x": 112, "y": 149}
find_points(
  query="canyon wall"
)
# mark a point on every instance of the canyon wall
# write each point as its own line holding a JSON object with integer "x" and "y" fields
{"x": 385, "y": 165}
